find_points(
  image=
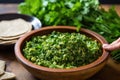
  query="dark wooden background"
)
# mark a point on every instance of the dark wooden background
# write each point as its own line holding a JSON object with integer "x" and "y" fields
{"x": 109, "y": 72}
{"x": 101, "y": 1}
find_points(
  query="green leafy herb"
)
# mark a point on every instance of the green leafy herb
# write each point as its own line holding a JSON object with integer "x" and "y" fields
{"x": 62, "y": 50}
{"x": 59, "y": 12}
{"x": 106, "y": 23}
{"x": 79, "y": 13}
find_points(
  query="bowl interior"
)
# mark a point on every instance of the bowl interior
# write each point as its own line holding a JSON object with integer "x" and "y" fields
{"x": 48, "y": 30}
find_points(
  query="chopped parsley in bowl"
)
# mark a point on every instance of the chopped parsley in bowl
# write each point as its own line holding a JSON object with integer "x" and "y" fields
{"x": 62, "y": 50}
{"x": 61, "y": 53}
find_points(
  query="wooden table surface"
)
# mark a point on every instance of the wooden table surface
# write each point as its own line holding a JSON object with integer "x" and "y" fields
{"x": 107, "y": 73}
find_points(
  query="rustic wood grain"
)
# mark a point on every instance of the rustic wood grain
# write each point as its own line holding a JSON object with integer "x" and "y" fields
{"x": 8, "y": 8}
{"x": 117, "y": 7}
{"x": 12, "y": 65}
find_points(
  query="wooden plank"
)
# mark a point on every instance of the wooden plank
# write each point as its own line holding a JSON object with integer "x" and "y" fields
{"x": 12, "y": 65}
{"x": 8, "y": 8}
{"x": 117, "y": 7}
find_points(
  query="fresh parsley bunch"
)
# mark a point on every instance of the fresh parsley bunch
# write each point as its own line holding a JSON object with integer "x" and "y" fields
{"x": 59, "y": 12}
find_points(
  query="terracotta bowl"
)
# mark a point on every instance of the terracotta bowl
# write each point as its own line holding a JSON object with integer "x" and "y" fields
{"x": 44, "y": 73}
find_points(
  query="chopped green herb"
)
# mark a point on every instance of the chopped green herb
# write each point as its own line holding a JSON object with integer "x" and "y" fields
{"x": 62, "y": 50}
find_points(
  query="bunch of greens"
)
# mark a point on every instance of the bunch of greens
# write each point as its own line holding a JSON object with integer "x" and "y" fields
{"x": 59, "y": 12}
{"x": 79, "y": 13}
{"x": 106, "y": 23}
{"x": 62, "y": 50}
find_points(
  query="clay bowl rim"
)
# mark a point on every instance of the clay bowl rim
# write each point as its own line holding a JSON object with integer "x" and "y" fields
{"x": 21, "y": 58}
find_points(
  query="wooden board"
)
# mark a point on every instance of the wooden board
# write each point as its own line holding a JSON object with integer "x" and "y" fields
{"x": 109, "y": 72}
{"x": 12, "y": 65}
